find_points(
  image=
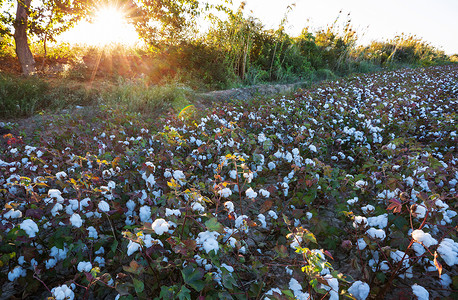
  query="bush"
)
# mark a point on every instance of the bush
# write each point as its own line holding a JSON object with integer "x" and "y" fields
{"x": 22, "y": 96}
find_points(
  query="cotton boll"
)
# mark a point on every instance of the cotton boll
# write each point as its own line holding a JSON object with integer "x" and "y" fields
{"x": 76, "y": 220}
{"x": 225, "y": 193}
{"x": 61, "y": 176}
{"x": 422, "y": 237}
{"x": 360, "y": 290}
{"x": 84, "y": 266}
{"x": 448, "y": 251}
{"x": 376, "y": 233}
{"x": 196, "y": 206}
{"x": 160, "y": 226}
{"x": 93, "y": 232}
{"x": 207, "y": 241}
{"x": 250, "y": 193}
{"x": 30, "y": 227}
{"x": 420, "y": 292}
{"x": 264, "y": 193}
{"x": 17, "y": 272}
{"x": 445, "y": 281}
{"x": 229, "y": 206}
{"x": 145, "y": 213}
{"x": 104, "y": 206}
{"x": 172, "y": 212}
{"x": 132, "y": 247}
{"x": 296, "y": 288}
{"x": 272, "y": 214}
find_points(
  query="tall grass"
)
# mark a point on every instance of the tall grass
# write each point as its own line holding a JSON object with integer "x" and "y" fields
{"x": 139, "y": 96}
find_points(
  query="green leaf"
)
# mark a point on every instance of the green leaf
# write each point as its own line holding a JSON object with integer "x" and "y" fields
{"x": 193, "y": 277}
{"x": 227, "y": 280}
{"x": 288, "y": 293}
{"x": 138, "y": 285}
{"x": 214, "y": 225}
{"x": 184, "y": 293}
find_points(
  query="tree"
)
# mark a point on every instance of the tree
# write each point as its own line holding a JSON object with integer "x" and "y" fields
{"x": 46, "y": 19}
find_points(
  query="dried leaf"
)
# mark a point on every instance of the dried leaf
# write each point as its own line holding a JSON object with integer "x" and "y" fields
{"x": 395, "y": 205}
{"x": 437, "y": 264}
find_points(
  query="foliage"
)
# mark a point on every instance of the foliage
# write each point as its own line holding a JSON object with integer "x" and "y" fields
{"x": 237, "y": 201}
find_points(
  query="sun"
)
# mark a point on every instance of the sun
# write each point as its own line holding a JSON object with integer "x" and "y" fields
{"x": 109, "y": 26}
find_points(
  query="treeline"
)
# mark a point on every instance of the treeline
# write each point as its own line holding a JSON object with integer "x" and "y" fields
{"x": 238, "y": 50}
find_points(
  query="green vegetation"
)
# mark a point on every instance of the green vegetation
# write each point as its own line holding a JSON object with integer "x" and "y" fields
{"x": 236, "y": 51}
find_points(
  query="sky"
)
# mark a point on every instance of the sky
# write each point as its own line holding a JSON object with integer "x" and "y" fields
{"x": 435, "y": 21}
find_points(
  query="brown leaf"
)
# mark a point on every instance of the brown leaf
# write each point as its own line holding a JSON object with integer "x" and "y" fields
{"x": 437, "y": 264}
{"x": 395, "y": 205}
{"x": 266, "y": 206}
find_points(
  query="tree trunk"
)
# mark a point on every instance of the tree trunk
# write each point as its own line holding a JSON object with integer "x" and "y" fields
{"x": 20, "y": 37}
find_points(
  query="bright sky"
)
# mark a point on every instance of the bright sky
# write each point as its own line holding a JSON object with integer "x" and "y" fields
{"x": 436, "y": 21}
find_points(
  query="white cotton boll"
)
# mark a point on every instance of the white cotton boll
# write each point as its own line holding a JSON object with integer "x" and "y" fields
{"x": 262, "y": 219}
{"x": 419, "y": 249}
{"x": 61, "y": 175}
{"x": 360, "y": 290}
{"x": 160, "y": 226}
{"x": 84, "y": 266}
{"x": 296, "y": 288}
{"x": 360, "y": 221}
{"x": 309, "y": 215}
{"x": 30, "y": 227}
{"x": 368, "y": 209}
{"x": 225, "y": 193}
{"x": 13, "y": 214}
{"x": 420, "y": 292}
{"x": 261, "y": 138}
{"x": 104, "y": 206}
{"x": 250, "y": 193}
{"x": 100, "y": 261}
{"x": 93, "y": 232}
{"x": 76, "y": 220}
{"x": 145, "y": 213}
{"x": 100, "y": 251}
{"x": 399, "y": 255}
{"x": 229, "y": 206}
{"x": 378, "y": 221}
{"x": 272, "y": 214}
{"x": 196, "y": 206}
{"x": 63, "y": 293}
{"x": 172, "y": 212}
{"x": 272, "y": 291}
{"x": 332, "y": 287}
{"x": 420, "y": 211}
{"x": 264, "y": 193}
{"x": 233, "y": 174}
{"x": 239, "y": 221}
{"x": 132, "y": 248}
{"x": 179, "y": 175}
{"x": 312, "y": 148}
{"x": 17, "y": 272}
{"x": 271, "y": 165}
{"x": 376, "y": 233}
{"x": 361, "y": 184}
{"x": 21, "y": 260}
{"x": 56, "y": 208}
{"x": 58, "y": 254}
{"x": 361, "y": 244}
{"x": 130, "y": 205}
{"x": 448, "y": 250}
{"x": 445, "y": 281}
{"x": 352, "y": 201}
{"x": 167, "y": 174}
{"x": 421, "y": 237}
{"x": 50, "y": 263}
{"x": 207, "y": 241}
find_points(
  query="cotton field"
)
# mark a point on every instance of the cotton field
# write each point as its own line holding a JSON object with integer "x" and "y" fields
{"x": 348, "y": 188}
